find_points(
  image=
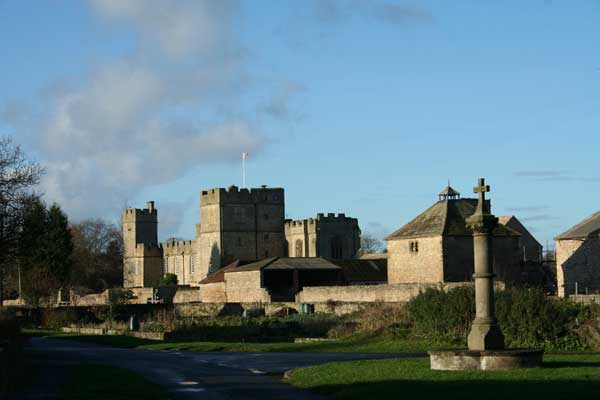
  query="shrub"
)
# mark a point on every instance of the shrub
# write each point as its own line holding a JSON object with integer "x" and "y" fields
{"x": 442, "y": 315}
{"x": 529, "y": 318}
{"x": 168, "y": 280}
{"x": 53, "y": 318}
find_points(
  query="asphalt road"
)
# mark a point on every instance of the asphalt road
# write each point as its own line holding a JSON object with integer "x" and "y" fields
{"x": 185, "y": 374}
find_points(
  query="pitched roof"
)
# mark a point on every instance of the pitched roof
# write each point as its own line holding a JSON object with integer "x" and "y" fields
{"x": 447, "y": 218}
{"x": 589, "y": 227}
{"x": 363, "y": 270}
{"x": 449, "y": 191}
{"x": 219, "y": 275}
{"x": 374, "y": 256}
{"x": 512, "y": 222}
{"x": 280, "y": 263}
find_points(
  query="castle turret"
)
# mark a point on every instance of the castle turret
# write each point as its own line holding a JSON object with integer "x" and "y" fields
{"x": 141, "y": 255}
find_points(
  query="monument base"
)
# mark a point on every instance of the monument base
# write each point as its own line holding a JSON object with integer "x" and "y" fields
{"x": 487, "y": 360}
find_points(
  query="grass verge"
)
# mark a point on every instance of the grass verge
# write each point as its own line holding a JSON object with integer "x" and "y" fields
{"x": 90, "y": 382}
{"x": 561, "y": 377}
{"x": 359, "y": 343}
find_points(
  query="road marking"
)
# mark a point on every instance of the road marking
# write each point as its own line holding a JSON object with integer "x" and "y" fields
{"x": 188, "y": 383}
{"x": 194, "y": 390}
{"x": 256, "y": 371}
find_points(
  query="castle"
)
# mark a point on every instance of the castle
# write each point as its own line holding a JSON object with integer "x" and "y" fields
{"x": 235, "y": 224}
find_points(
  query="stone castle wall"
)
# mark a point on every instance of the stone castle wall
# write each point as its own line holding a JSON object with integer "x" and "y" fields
{"x": 397, "y": 293}
{"x": 246, "y": 286}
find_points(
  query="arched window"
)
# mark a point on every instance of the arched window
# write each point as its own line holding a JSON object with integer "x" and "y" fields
{"x": 298, "y": 248}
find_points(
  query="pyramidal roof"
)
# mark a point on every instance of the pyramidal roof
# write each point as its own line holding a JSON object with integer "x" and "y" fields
{"x": 446, "y": 218}
{"x": 449, "y": 191}
{"x": 589, "y": 227}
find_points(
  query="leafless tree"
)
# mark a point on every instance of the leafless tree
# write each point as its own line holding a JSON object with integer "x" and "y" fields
{"x": 369, "y": 244}
{"x": 18, "y": 176}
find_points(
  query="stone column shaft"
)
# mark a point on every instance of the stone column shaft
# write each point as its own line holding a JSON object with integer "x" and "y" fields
{"x": 484, "y": 286}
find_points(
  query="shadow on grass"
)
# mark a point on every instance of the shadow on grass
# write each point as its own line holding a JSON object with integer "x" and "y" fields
{"x": 466, "y": 389}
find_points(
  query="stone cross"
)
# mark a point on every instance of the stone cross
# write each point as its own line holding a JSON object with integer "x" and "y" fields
{"x": 485, "y": 333}
{"x": 482, "y": 189}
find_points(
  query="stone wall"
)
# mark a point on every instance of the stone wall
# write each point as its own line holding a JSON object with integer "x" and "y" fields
{"x": 246, "y": 286}
{"x": 397, "y": 293}
{"x": 424, "y": 265}
{"x": 187, "y": 296}
{"x": 214, "y": 293}
{"x": 578, "y": 261}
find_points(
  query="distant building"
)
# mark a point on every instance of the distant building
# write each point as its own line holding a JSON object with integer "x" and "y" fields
{"x": 235, "y": 224}
{"x": 280, "y": 279}
{"x": 578, "y": 258}
{"x": 437, "y": 246}
{"x": 331, "y": 236}
{"x": 530, "y": 247}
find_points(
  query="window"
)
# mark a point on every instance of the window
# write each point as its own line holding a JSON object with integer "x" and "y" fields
{"x": 275, "y": 197}
{"x": 192, "y": 266}
{"x": 136, "y": 267}
{"x": 414, "y": 247}
{"x": 239, "y": 241}
{"x": 266, "y": 216}
{"x": 165, "y": 266}
{"x": 175, "y": 265}
{"x": 266, "y": 253}
{"x": 298, "y": 248}
{"x": 266, "y": 236}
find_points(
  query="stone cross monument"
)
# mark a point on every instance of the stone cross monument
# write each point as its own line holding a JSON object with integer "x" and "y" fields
{"x": 486, "y": 342}
{"x": 485, "y": 333}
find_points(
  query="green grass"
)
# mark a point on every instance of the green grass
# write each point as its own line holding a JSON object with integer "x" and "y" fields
{"x": 561, "y": 377}
{"x": 91, "y": 382}
{"x": 361, "y": 343}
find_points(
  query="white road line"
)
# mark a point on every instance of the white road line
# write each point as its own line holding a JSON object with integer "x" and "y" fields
{"x": 256, "y": 371}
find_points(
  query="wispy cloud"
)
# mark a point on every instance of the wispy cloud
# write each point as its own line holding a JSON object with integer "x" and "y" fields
{"x": 538, "y": 218}
{"x": 527, "y": 209}
{"x": 555, "y": 176}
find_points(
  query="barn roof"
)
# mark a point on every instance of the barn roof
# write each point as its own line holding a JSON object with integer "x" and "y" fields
{"x": 589, "y": 227}
{"x": 445, "y": 218}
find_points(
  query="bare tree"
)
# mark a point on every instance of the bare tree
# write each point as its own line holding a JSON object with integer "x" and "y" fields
{"x": 18, "y": 176}
{"x": 369, "y": 244}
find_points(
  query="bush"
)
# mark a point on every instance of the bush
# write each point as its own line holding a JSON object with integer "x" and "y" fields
{"x": 443, "y": 316}
{"x": 53, "y": 318}
{"x": 527, "y": 317}
{"x": 168, "y": 280}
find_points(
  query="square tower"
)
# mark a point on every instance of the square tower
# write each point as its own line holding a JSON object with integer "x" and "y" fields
{"x": 142, "y": 257}
{"x": 240, "y": 224}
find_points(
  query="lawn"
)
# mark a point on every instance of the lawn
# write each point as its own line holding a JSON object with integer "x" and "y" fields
{"x": 561, "y": 377}
{"x": 92, "y": 382}
{"x": 360, "y": 343}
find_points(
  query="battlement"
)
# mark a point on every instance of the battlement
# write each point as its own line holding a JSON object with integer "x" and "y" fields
{"x": 145, "y": 250}
{"x": 235, "y": 195}
{"x": 331, "y": 217}
{"x": 149, "y": 214}
{"x": 177, "y": 247}
{"x": 299, "y": 222}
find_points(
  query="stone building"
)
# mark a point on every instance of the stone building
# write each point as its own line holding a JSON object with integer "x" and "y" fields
{"x": 280, "y": 279}
{"x": 530, "y": 247}
{"x": 328, "y": 236}
{"x": 235, "y": 224}
{"x": 142, "y": 256}
{"x": 437, "y": 246}
{"x": 578, "y": 258}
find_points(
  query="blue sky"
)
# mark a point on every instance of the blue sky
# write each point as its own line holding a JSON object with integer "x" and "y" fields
{"x": 366, "y": 108}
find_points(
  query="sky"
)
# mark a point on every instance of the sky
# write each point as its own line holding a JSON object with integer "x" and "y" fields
{"x": 366, "y": 108}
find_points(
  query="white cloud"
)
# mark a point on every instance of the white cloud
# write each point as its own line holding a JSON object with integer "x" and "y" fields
{"x": 149, "y": 117}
